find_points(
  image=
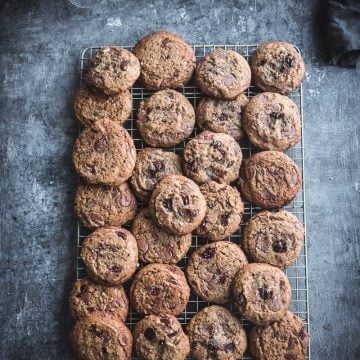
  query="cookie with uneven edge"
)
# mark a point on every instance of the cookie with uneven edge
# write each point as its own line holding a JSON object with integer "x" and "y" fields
{"x": 215, "y": 333}
{"x": 282, "y": 340}
{"x": 160, "y": 337}
{"x": 100, "y": 205}
{"x": 177, "y": 205}
{"x": 277, "y": 67}
{"x": 166, "y": 60}
{"x": 211, "y": 156}
{"x": 261, "y": 293}
{"x": 212, "y": 268}
{"x": 275, "y": 238}
{"x": 272, "y": 122}
{"x": 223, "y": 74}
{"x": 87, "y": 297}
{"x": 269, "y": 179}
{"x": 165, "y": 119}
{"x": 159, "y": 289}
{"x": 110, "y": 255}
{"x": 224, "y": 210}
{"x": 113, "y": 70}
{"x": 222, "y": 116}
{"x": 104, "y": 154}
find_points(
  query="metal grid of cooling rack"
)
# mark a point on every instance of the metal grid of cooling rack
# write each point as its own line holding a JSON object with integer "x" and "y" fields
{"x": 297, "y": 273}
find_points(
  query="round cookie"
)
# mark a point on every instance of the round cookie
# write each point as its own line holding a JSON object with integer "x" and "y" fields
{"x": 212, "y": 268}
{"x": 215, "y": 333}
{"x": 223, "y": 73}
{"x": 155, "y": 244}
{"x": 90, "y": 106}
{"x": 110, "y": 255}
{"x": 277, "y": 67}
{"x": 159, "y": 289}
{"x": 210, "y": 156}
{"x": 286, "y": 339}
{"x": 272, "y": 122}
{"x": 101, "y": 336}
{"x": 165, "y": 119}
{"x": 160, "y": 337}
{"x": 151, "y": 166}
{"x": 166, "y": 60}
{"x": 177, "y": 205}
{"x": 275, "y": 238}
{"x": 113, "y": 70}
{"x": 269, "y": 179}
{"x": 222, "y": 116}
{"x": 87, "y": 297}
{"x": 104, "y": 154}
{"x": 262, "y": 293}
{"x": 100, "y": 205}
{"x": 224, "y": 211}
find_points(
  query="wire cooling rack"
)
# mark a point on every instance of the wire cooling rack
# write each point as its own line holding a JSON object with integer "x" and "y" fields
{"x": 297, "y": 273}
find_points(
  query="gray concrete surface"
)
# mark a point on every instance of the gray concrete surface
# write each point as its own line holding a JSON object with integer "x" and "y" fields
{"x": 39, "y": 68}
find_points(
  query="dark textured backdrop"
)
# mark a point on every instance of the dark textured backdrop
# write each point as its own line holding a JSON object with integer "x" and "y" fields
{"x": 39, "y": 68}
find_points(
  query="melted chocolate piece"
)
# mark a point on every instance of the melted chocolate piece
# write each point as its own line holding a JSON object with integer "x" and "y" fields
{"x": 149, "y": 334}
{"x": 167, "y": 204}
{"x": 265, "y": 294}
{"x": 208, "y": 253}
{"x": 124, "y": 64}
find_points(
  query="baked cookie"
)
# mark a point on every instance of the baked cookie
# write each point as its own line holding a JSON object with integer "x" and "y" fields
{"x": 222, "y": 116}
{"x": 155, "y": 244}
{"x": 151, "y": 166}
{"x": 113, "y": 70}
{"x": 224, "y": 210}
{"x": 223, "y": 73}
{"x": 272, "y": 121}
{"x": 100, "y": 335}
{"x": 177, "y": 205}
{"x": 262, "y": 293}
{"x": 277, "y": 67}
{"x": 110, "y": 255}
{"x": 215, "y": 333}
{"x": 275, "y": 238}
{"x": 104, "y": 154}
{"x": 211, "y": 270}
{"x": 166, "y": 60}
{"x": 283, "y": 340}
{"x": 159, "y": 289}
{"x": 160, "y": 338}
{"x": 165, "y": 119}
{"x": 269, "y": 179}
{"x": 87, "y": 297}
{"x": 100, "y": 205}
{"x": 210, "y": 156}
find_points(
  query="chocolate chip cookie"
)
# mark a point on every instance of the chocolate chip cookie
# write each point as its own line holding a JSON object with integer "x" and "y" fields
{"x": 210, "y": 156}
{"x": 159, "y": 289}
{"x": 223, "y": 73}
{"x": 113, "y": 70}
{"x": 269, "y": 179}
{"x": 275, "y": 238}
{"x": 165, "y": 119}
{"x": 277, "y": 67}
{"x": 224, "y": 211}
{"x": 215, "y": 333}
{"x": 177, "y": 205}
{"x": 151, "y": 166}
{"x": 286, "y": 339}
{"x": 100, "y": 205}
{"x": 211, "y": 270}
{"x": 104, "y": 154}
{"x": 272, "y": 122}
{"x": 166, "y": 60}
{"x": 110, "y": 255}
{"x": 222, "y": 116}
{"x": 262, "y": 293}
{"x": 87, "y": 297}
{"x": 160, "y": 338}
